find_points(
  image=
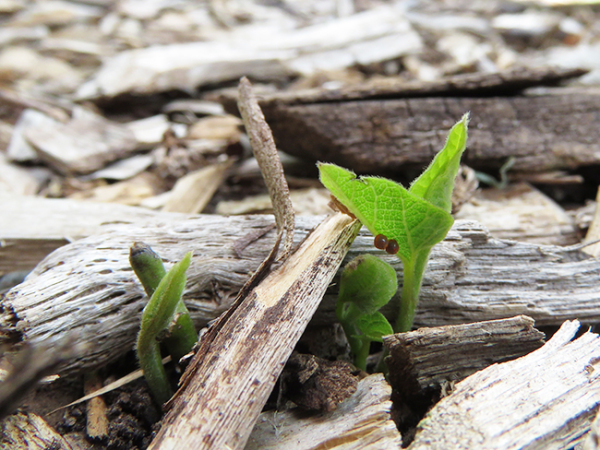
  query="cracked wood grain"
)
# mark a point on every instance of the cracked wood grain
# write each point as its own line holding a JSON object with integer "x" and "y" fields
{"x": 430, "y": 358}
{"x": 87, "y": 288}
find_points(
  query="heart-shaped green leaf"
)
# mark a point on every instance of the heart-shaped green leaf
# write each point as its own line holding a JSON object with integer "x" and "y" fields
{"x": 385, "y": 207}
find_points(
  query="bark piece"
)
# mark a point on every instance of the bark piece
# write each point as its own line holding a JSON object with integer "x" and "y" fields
{"x": 28, "y": 431}
{"x": 84, "y": 144}
{"x": 224, "y": 390}
{"x": 383, "y": 136}
{"x": 360, "y": 422}
{"x": 318, "y": 384}
{"x": 511, "y": 81}
{"x": 88, "y": 287}
{"x": 428, "y": 358}
{"x": 543, "y": 400}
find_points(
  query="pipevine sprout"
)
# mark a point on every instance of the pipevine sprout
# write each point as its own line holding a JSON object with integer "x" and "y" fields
{"x": 165, "y": 316}
{"x": 367, "y": 284}
{"x": 406, "y": 222}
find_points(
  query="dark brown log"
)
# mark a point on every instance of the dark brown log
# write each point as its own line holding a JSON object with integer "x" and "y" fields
{"x": 556, "y": 130}
{"x": 428, "y": 358}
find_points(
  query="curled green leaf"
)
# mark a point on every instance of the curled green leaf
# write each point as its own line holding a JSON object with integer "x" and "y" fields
{"x": 436, "y": 183}
{"x": 374, "y": 326}
{"x": 367, "y": 282}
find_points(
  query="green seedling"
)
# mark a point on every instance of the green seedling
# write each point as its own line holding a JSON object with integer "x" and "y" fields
{"x": 164, "y": 317}
{"x": 488, "y": 179}
{"x": 367, "y": 284}
{"x": 406, "y": 222}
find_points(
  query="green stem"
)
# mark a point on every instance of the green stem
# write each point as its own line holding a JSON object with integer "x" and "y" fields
{"x": 361, "y": 354}
{"x": 154, "y": 371}
{"x": 413, "y": 277}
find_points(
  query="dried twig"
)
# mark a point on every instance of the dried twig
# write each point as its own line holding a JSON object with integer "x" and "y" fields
{"x": 265, "y": 152}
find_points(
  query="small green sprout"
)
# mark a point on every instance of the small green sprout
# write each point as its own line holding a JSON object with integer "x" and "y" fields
{"x": 367, "y": 284}
{"x": 165, "y": 315}
{"x": 406, "y": 222}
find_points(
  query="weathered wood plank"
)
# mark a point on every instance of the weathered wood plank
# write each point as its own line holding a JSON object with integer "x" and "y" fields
{"x": 543, "y": 132}
{"x": 430, "y": 357}
{"x": 544, "y": 400}
{"x": 509, "y": 82}
{"x": 32, "y": 227}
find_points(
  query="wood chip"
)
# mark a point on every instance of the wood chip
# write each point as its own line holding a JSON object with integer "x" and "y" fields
{"x": 594, "y": 231}
{"x": 431, "y": 357}
{"x": 522, "y": 213}
{"x": 360, "y": 422}
{"x": 128, "y": 192}
{"x": 19, "y": 148}
{"x": 192, "y": 193}
{"x": 97, "y": 420}
{"x": 83, "y": 145}
{"x": 28, "y": 431}
{"x": 546, "y": 399}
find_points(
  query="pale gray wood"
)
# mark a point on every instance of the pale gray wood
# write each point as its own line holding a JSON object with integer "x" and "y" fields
{"x": 544, "y": 400}
{"x": 523, "y": 213}
{"x": 432, "y": 357}
{"x": 28, "y": 431}
{"x": 84, "y": 144}
{"x": 379, "y": 34}
{"x": 32, "y": 227}
{"x": 361, "y": 422}
{"x": 230, "y": 378}
{"x": 88, "y": 288}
